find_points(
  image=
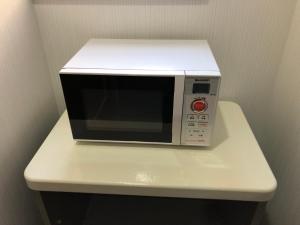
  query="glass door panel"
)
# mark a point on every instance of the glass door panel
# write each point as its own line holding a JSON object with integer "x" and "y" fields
{"x": 120, "y": 108}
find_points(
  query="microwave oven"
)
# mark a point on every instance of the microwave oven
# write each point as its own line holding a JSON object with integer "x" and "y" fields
{"x": 142, "y": 91}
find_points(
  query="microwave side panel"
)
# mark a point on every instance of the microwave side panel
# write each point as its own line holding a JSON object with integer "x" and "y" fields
{"x": 197, "y": 126}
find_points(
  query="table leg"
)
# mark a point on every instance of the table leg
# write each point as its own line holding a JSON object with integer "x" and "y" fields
{"x": 259, "y": 213}
{"x": 42, "y": 208}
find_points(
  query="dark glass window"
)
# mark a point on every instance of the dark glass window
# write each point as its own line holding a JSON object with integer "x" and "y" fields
{"x": 122, "y": 108}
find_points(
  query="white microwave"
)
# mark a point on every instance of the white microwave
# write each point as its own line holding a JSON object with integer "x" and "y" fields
{"x": 142, "y": 91}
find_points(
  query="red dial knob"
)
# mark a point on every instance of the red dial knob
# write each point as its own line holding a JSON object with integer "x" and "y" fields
{"x": 199, "y": 105}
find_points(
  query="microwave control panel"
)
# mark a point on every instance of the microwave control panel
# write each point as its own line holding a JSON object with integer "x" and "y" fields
{"x": 199, "y": 109}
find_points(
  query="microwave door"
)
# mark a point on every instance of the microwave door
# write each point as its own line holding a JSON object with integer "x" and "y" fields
{"x": 120, "y": 108}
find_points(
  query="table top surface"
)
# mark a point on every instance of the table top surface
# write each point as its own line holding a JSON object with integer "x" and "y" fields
{"x": 232, "y": 168}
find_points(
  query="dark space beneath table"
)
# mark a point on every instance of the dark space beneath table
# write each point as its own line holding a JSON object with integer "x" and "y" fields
{"x": 94, "y": 209}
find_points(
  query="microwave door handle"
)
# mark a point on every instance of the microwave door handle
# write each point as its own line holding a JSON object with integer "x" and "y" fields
{"x": 177, "y": 109}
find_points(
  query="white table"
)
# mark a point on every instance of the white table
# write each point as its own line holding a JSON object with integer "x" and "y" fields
{"x": 233, "y": 168}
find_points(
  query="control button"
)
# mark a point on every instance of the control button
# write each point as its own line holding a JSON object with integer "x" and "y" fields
{"x": 203, "y": 118}
{"x": 203, "y": 131}
{"x": 191, "y": 124}
{"x": 192, "y": 117}
{"x": 199, "y": 105}
{"x": 190, "y": 134}
{"x": 196, "y": 134}
{"x": 202, "y": 125}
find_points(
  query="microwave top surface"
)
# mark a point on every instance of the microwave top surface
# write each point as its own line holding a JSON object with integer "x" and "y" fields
{"x": 192, "y": 56}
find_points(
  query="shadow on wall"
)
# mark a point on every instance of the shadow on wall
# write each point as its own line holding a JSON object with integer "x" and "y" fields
{"x": 121, "y": 2}
{"x": 266, "y": 220}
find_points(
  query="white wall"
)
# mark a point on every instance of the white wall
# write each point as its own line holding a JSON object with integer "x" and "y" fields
{"x": 27, "y": 108}
{"x": 247, "y": 37}
{"x": 282, "y": 139}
